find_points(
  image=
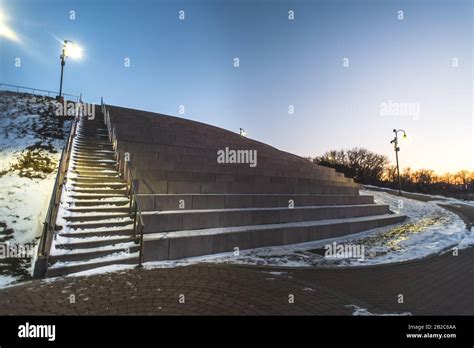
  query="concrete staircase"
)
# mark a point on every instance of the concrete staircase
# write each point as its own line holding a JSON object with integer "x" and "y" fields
{"x": 190, "y": 204}
{"x": 95, "y": 218}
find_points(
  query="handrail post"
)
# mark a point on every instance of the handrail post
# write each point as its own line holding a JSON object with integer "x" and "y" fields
{"x": 135, "y": 220}
{"x": 140, "y": 254}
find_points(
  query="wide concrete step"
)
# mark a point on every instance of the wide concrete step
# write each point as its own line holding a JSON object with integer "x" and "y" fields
{"x": 193, "y": 167}
{"x": 163, "y": 202}
{"x": 165, "y": 173}
{"x": 81, "y": 266}
{"x": 82, "y": 255}
{"x": 183, "y": 187}
{"x": 199, "y": 154}
{"x": 175, "y": 220}
{"x": 191, "y": 243}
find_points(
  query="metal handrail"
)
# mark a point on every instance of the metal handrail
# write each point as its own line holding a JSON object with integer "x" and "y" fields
{"x": 125, "y": 170}
{"x": 38, "y": 90}
{"x": 51, "y": 215}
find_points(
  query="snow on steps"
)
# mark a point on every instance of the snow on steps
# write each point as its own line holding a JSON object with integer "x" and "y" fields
{"x": 189, "y": 243}
{"x": 97, "y": 226}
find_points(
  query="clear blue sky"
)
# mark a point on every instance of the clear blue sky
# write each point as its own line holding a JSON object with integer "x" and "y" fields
{"x": 282, "y": 63}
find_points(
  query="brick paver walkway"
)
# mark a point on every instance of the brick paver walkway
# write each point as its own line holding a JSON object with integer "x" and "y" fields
{"x": 439, "y": 285}
{"x": 207, "y": 289}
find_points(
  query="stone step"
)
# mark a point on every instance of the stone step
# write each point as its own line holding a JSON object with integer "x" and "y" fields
{"x": 95, "y": 174}
{"x": 90, "y": 155}
{"x": 87, "y": 233}
{"x": 80, "y": 255}
{"x": 96, "y": 196}
{"x": 162, "y": 202}
{"x": 97, "y": 243}
{"x": 183, "y": 187}
{"x": 93, "y": 170}
{"x": 119, "y": 222}
{"x": 94, "y": 164}
{"x": 184, "y": 244}
{"x": 94, "y": 147}
{"x": 143, "y": 152}
{"x": 94, "y": 152}
{"x": 120, "y": 185}
{"x": 195, "y": 164}
{"x": 175, "y": 220}
{"x": 101, "y": 209}
{"x": 83, "y": 145}
{"x": 92, "y": 130}
{"x": 91, "y": 141}
{"x": 202, "y": 176}
{"x": 102, "y": 202}
{"x": 100, "y": 191}
{"x": 97, "y": 180}
{"x": 94, "y": 157}
{"x": 87, "y": 137}
{"x": 79, "y": 266}
{"x": 96, "y": 217}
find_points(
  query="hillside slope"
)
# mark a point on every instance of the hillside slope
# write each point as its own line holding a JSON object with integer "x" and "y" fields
{"x": 31, "y": 140}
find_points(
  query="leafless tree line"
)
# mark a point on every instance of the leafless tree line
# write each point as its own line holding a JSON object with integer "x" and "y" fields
{"x": 367, "y": 167}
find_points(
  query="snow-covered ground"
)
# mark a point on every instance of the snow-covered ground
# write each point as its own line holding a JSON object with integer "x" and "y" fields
{"x": 358, "y": 311}
{"x": 31, "y": 141}
{"x": 433, "y": 198}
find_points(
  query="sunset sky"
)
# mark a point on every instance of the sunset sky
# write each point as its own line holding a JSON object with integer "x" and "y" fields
{"x": 423, "y": 62}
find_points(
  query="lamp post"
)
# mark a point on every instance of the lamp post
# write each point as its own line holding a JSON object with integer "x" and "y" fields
{"x": 396, "y": 148}
{"x": 70, "y": 49}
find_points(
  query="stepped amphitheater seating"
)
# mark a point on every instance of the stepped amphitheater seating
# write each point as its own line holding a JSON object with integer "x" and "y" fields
{"x": 228, "y": 206}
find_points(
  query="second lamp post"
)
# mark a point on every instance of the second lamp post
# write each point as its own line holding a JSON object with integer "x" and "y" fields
{"x": 395, "y": 145}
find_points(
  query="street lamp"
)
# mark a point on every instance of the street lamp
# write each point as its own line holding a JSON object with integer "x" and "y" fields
{"x": 70, "y": 49}
{"x": 395, "y": 145}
